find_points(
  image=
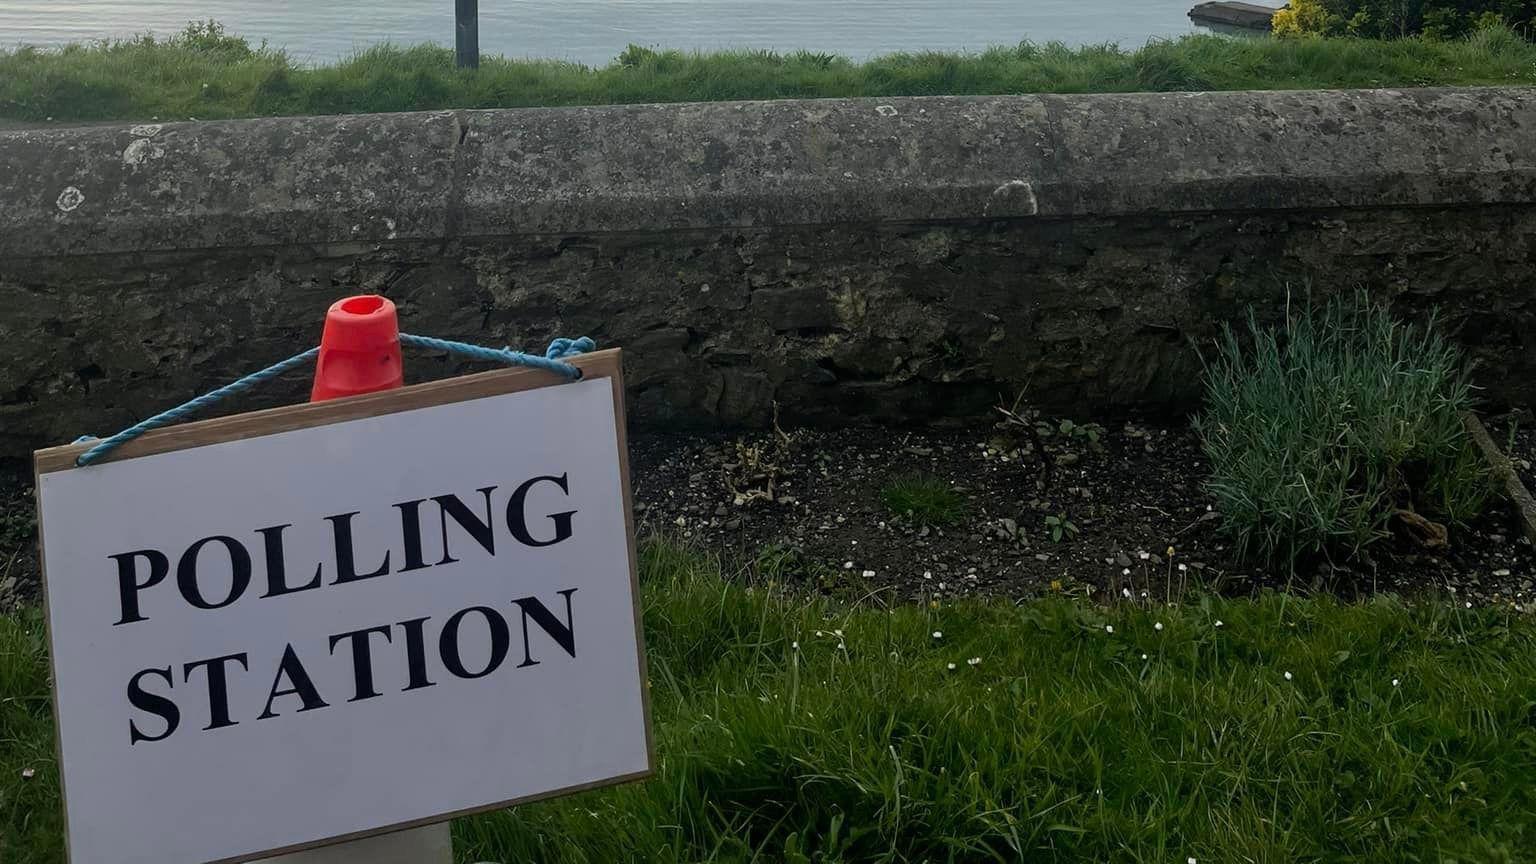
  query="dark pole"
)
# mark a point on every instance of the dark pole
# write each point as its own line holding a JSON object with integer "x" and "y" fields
{"x": 466, "y": 21}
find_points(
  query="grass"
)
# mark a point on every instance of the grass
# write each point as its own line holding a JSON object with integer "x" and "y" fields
{"x": 924, "y": 499}
{"x": 207, "y": 74}
{"x": 1326, "y": 429}
{"x": 1404, "y": 733}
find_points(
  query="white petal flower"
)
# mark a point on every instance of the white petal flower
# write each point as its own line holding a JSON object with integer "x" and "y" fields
{"x": 795, "y": 645}
{"x": 938, "y": 634}
{"x": 1109, "y": 628}
{"x": 1218, "y": 622}
{"x": 951, "y": 667}
{"x": 1287, "y": 676}
{"x": 974, "y": 661}
{"x": 1157, "y": 626}
{"x": 1394, "y": 682}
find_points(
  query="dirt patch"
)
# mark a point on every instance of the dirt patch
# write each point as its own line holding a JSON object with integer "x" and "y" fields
{"x": 1047, "y": 507}
{"x": 18, "y": 541}
{"x": 1129, "y": 494}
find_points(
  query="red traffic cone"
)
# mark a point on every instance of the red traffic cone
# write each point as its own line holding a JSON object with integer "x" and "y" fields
{"x": 359, "y": 349}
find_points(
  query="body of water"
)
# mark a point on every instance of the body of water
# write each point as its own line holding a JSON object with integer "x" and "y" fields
{"x": 594, "y": 31}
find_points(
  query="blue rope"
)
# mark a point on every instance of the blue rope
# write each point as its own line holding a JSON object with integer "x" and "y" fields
{"x": 552, "y": 361}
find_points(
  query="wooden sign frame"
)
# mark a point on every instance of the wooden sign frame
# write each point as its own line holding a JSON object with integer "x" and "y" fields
{"x": 599, "y": 364}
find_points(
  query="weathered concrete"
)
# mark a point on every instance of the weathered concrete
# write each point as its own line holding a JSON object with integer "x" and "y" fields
{"x": 903, "y": 259}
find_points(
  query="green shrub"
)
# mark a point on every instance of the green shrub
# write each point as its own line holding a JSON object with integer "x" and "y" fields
{"x": 1317, "y": 432}
{"x": 1389, "y": 19}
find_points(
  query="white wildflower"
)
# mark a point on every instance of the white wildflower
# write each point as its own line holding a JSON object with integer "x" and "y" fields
{"x": 1287, "y": 676}
{"x": 1157, "y": 626}
{"x": 1109, "y": 628}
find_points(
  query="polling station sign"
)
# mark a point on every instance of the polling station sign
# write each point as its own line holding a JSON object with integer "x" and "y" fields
{"x": 283, "y": 628}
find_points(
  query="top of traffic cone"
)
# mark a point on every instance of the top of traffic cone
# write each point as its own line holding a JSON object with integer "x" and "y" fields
{"x": 359, "y": 349}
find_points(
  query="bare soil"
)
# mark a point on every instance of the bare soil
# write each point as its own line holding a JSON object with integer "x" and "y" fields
{"x": 806, "y": 506}
{"x": 1141, "y": 519}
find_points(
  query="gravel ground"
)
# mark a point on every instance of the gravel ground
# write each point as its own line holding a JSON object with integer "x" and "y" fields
{"x": 807, "y": 506}
{"x": 1131, "y": 496}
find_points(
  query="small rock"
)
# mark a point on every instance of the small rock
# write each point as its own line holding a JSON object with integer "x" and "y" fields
{"x": 1041, "y": 556}
{"x": 733, "y": 524}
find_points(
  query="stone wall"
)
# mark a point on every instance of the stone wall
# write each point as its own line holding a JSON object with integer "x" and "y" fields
{"x": 904, "y": 260}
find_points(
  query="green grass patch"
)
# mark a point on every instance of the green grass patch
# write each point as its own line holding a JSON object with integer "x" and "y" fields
{"x": 795, "y": 729}
{"x": 924, "y": 499}
{"x": 207, "y": 74}
{"x": 1324, "y": 429}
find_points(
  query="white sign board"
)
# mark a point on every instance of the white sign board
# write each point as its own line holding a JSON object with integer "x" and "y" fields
{"x": 353, "y": 623}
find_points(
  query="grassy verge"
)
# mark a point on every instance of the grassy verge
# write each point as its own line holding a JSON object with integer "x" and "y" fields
{"x": 1401, "y": 733}
{"x": 206, "y": 74}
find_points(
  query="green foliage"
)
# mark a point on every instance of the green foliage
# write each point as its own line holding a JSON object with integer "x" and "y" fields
{"x": 1063, "y": 743}
{"x": 1059, "y": 526}
{"x": 1306, "y": 18}
{"x": 1389, "y": 19}
{"x": 1068, "y": 430}
{"x": 207, "y": 73}
{"x": 1317, "y": 431}
{"x": 31, "y": 823}
{"x": 924, "y": 499}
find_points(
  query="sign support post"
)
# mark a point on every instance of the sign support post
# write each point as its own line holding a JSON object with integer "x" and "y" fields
{"x": 360, "y": 353}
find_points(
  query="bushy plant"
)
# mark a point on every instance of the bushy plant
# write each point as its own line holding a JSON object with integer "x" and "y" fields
{"x": 1320, "y": 430}
{"x": 1386, "y": 19}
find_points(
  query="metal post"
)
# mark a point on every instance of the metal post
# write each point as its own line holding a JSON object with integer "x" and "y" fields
{"x": 466, "y": 20}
